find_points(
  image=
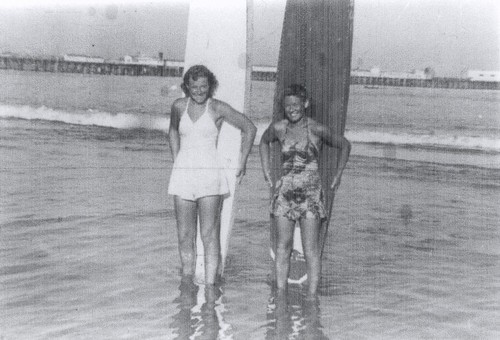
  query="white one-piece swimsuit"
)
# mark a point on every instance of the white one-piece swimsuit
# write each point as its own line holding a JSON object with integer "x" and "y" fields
{"x": 197, "y": 170}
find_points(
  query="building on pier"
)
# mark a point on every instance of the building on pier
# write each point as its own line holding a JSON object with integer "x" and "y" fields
{"x": 487, "y": 76}
{"x": 76, "y": 58}
{"x": 141, "y": 59}
{"x": 375, "y": 72}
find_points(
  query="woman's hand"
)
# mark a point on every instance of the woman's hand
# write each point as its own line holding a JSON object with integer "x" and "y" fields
{"x": 267, "y": 178}
{"x": 240, "y": 173}
{"x": 335, "y": 182}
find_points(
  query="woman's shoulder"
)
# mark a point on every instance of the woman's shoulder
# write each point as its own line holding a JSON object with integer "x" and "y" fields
{"x": 278, "y": 128}
{"x": 180, "y": 104}
{"x": 217, "y": 104}
{"x": 316, "y": 126}
{"x": 280, "y": 125}
{"x": 218, "y": 107}
{"x": 274, "y": 131}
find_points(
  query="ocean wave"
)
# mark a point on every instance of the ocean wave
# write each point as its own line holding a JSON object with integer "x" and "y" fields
{"x": 433, "y": 140}
{"x": 89, "y": 117}
{"x": 418, "y": 139}
{"x": 150, "y": 122}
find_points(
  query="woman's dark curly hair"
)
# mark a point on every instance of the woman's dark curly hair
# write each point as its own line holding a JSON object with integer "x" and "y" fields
{"x": 296, "y": 90}
{"x": 199, "y": 71}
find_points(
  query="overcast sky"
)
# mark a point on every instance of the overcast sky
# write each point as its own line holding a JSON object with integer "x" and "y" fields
{"x": 450, "y": 36}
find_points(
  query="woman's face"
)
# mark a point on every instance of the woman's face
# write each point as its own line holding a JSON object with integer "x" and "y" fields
{"x": 295, "y": 108}
{"x": 198, "y": 89}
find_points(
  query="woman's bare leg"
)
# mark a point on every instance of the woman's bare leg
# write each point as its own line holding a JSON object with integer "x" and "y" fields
{"x": 210, "y": 234}
{"x": 309, "y": 228}
{"x": 186, "y": 215}
{"x": 284, "y": 228}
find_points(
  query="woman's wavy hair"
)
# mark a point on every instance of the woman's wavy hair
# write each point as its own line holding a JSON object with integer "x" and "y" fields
{"x": 296, "y": 90}
{"x": 199, "y": 71}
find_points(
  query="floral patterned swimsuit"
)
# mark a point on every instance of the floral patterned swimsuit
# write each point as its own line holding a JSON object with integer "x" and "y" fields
{"x": 298, "y": 193}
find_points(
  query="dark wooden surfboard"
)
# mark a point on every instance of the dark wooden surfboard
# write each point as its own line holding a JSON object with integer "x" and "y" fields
{"x": 315, "y": 51}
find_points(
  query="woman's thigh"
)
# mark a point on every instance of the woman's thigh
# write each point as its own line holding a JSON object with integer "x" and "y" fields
{"x": 186, "y": 214}
{"x": 285, "y": 228}
{"x": 309, "y": 229}
{"x": 209, "y": 210}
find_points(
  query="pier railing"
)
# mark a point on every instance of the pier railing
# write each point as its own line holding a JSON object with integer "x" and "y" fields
{"x": 57, "y": 64}
{"x": 376, "y": 82}
{"x": 436, "y": 82}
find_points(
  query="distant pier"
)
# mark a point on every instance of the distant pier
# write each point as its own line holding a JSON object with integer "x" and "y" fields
{"x": 260, "y": 73}
{"x": 264, "y": 74}
{"x": 435, "y": 82}
{"x": 56, "y": 64}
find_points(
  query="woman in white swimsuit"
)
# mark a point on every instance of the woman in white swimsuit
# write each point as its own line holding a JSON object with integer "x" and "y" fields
{"x": 197, "y": 181}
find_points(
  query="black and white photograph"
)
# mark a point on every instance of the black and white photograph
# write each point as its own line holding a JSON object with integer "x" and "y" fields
{"x": 250, "y": 169}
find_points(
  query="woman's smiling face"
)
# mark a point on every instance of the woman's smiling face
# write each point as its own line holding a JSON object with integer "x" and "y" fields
{"x": 295, "y": 108}
{"x": 198, "y": 89}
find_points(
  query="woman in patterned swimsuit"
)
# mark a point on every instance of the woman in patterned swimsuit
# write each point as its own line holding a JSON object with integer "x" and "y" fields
{"x": 298, "y": 195}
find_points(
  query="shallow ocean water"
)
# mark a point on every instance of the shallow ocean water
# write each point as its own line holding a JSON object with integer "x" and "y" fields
{"x": 89, "y": 249}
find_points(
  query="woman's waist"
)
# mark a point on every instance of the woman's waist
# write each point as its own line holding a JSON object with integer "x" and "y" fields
{"x": 198, "y": 146}
{"x": 300, "y": 180}
{"x": 198, "y": 157}
{"x": 299, "y": 165}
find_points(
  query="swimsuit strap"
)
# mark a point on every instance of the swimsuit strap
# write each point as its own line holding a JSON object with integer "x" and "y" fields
{"x": 187, "y": 106}
{"x": 308, "y": 137}
{"x": 206, "y": 105}
{"x": 307, "y": 129}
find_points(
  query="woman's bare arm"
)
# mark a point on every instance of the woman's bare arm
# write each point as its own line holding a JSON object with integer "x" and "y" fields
{"x": 173, "y": 130}
{"x": 269, "y": 136}
{"x": 248, "y": 132}
{"x": 340, "y": 142}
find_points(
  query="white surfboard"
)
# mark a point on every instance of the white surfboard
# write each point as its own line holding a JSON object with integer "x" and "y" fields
{"x": 217, "y": 38}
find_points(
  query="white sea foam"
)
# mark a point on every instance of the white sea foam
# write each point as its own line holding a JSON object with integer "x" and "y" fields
{"x": 90, "y": 117}
{"x": 426, "y": 140}
{"x": 151, "y": 122}
{"x": 431, "y": 140}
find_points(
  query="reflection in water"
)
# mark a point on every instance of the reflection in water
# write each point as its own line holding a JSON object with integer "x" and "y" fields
{"x": 292, "y": 316}
{"x": 200, "y": 313}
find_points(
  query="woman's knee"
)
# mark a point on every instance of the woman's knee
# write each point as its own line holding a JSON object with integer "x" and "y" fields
{"x": 186, "y": 241}
{"x": 209, "y": 231}
{"x": 186, "y": 233}
{"x": 311, "y": 250}
{"x": 284, "y": 247}
{"x": 210, "y": 239}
